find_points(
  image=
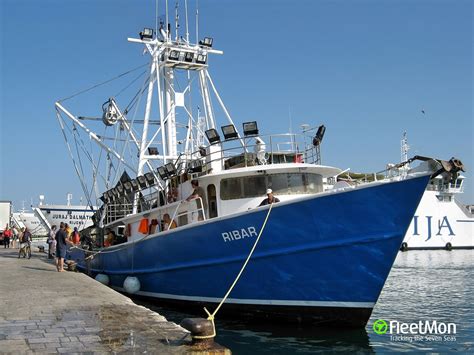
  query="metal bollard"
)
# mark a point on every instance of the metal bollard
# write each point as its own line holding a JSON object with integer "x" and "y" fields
{"x": 199, "y": 327}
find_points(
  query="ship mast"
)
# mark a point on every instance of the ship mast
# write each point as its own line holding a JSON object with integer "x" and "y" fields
{"x": 169, "y": 57}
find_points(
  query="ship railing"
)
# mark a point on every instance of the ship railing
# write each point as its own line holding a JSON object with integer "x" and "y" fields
{"x": 183, "y": 212}
{"x": 259, "y": 150}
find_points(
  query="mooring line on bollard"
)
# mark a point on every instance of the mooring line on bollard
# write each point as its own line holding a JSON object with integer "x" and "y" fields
{"x": 210, "y": 316}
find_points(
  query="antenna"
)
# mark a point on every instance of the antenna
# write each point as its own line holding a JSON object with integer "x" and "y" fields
{"x": 167, "y": 23}
{"x": 156, "y": 17}
{"x": 197, "y": 21}
{"x": 404, "y": 147}
{"x": 176, "y": 21}
{"x": 187, "y": 27}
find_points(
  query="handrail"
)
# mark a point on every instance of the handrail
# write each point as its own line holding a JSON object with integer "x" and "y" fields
{"x": 174, "y": 215}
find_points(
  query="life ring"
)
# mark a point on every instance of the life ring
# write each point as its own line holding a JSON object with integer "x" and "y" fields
{"x": 449, "y": 246}
{"x": 404, "y": 246}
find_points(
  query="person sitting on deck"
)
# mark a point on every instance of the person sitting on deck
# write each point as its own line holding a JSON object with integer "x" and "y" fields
{"x": 198, "y": 192}
{"x": 270, "y": 199}
{"x": 168, "y": 223}
{"x": 110, "y": 240}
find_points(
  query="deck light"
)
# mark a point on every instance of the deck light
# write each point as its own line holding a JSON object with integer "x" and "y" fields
{"x": 146, "y": 33}
{"x": 141, "y": 181}
{"x": 152, "y": 151}
{"x": 212, "y": 136}
{"x": 150, "y": 179}
{"x": 319, "y": 135}
{"x": 195, "y": 166}
{"x": 115, "y": 191}
{"x": 202, "y": 151}
{"x": 119, "y": 189}
{"x": 128, "y": 186}
{"x": 206, "y": 42}
{"x": 250, "y": 128}
{"x": 174, "y": 55}
{"x": 170, "y": 169}
{"x": 162, "y": 172}
{"x": 189, "y": 56}
{"x": 135, "y": 186}
{"x": 229, "y": 131}
{"x": 201, "y": 59}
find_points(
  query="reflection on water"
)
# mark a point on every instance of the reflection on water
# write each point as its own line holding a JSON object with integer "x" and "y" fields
{"x": 423, "y": 285}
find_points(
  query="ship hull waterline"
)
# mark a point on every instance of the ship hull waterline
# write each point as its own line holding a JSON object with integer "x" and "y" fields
{"x": 321, "y": 259}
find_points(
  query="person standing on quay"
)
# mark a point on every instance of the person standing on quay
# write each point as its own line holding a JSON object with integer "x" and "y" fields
{"x": 7, "y": 233}
{"x": 51, "y": 242}
{"x": 61, "y": 246}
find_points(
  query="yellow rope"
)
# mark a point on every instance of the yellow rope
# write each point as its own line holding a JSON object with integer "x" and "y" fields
{"x": 212, "y": 316}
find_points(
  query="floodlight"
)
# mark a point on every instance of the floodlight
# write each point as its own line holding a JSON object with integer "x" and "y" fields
{"x": 189, "y": 56}
{"x": 135, "y": 186}
{"x": 162, "y": 172}
{"x": 147, "y": 33}
{"x": 195, "y": 166}
{"x": 174, "y": 55}
{"x": 201, "y": 59}
{"x": 206, "y": 42}
{"x": 318, "y": 138}
{"x": 150, "y": 179}
{"x": 170, "y": 169}
{"x": 128, "y": 186}
{"x": 212, "y": 136}
{"x": 152, "y": 151}
{"x": 115, "y": 192}
{"x": 110, "y": 195}
{"x": 120, "y": 189}
{"x": 250, "y": 128}
{"x": 229, "y": 131}
{"x": 141, "y": 181}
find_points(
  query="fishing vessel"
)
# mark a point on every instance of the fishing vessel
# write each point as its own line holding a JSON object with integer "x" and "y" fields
{"x": 441, "y": 221}
{"x": 79, "y": 216}
{"x": 316, "y": 255}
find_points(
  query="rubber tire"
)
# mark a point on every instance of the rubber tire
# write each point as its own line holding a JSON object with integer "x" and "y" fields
{"x": 449, "y": 246}
{"x": 404, "y": 246}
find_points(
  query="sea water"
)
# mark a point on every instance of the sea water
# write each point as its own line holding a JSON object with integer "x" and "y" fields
{"x": 423, "y": 286}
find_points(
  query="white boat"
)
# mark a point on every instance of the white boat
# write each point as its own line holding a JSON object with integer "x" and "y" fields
{"x": 441, "y": 221}
{"x": 79, "y": 216}
{"x": 28, "y": 219}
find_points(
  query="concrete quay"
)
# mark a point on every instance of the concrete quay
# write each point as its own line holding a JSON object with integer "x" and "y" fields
{"x": 45, "y": 311}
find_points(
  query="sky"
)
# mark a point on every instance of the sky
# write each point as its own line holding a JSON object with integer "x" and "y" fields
{"x": 365, "y": 69}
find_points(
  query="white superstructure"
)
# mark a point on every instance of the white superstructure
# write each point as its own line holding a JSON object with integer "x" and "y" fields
{"x": 441, "y": 221}
{"x": 79, "y": 216}
{"x": 29, "y": 220}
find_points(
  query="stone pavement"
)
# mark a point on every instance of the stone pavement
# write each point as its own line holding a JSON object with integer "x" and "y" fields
{"x": 45, "y": 311}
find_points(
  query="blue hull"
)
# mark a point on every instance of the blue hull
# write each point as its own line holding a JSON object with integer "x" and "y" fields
{"x": 322, "y": 258}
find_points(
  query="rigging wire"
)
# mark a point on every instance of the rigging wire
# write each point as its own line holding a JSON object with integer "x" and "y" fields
{"x": 103, "y": 83}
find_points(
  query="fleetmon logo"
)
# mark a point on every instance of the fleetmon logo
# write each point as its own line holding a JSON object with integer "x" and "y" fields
{"x": 380, "y": 326}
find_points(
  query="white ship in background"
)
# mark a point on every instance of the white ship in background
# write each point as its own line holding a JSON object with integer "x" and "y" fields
{"x": 79, "y": 216}
{"x": 441, "y": 221}
{"x": 24, "y": 218}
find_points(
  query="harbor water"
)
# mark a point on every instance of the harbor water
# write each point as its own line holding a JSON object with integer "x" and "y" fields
{"x": 423, "y": 286}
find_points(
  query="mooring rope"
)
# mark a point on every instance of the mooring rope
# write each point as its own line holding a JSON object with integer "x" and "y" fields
{"x": 211, "y": 317}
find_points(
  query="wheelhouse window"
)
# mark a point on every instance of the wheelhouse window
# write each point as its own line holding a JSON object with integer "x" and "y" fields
{"x": 283, "y": 184}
